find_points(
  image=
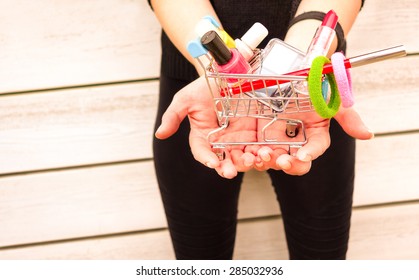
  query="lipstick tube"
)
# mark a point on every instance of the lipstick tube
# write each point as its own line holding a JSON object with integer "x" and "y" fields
{"x": 323, "y": 38}
{"x": 319, "y": 46}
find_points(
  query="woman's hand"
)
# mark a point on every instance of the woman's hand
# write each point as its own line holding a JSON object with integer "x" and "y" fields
{"x": 318, "y": 140}
{"x": 196, "y": 102}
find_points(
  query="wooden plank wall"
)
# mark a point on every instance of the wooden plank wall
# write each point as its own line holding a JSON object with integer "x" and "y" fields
{"x": 78, "y": 94}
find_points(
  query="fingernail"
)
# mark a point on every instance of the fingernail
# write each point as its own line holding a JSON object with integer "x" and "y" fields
{"x": 304, "y": 157}
{"x": 210, "y": 164}
{"x": 371, "y": 133}
{"x": 158, "y": 129}
{"x": 259, "y": 164}
{"x": 248, "y": 163}
{"x": 265, "y": 156}
{"x": 284, "y": 165}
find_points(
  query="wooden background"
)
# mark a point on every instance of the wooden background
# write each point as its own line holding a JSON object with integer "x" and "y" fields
{"x": 78, "y": 95}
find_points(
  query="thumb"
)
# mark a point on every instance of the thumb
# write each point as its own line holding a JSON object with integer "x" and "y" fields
{"x": 179, "y": 108}
{"x": 352, "y": 124}
{"x": 172, "y": 118}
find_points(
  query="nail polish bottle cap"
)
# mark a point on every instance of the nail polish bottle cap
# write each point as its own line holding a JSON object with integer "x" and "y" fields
{"x": 215, "y": 45}
{"x": 255, "y": 35}
{"x": 203, "y": 26}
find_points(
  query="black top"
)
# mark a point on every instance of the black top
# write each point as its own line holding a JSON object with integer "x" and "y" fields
{"x": 236, "y": 16}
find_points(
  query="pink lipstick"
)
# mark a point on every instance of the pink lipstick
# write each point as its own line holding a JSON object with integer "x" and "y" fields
{"x": 323, "y": 38}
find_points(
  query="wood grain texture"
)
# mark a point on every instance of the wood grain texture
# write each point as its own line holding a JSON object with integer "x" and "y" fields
{"x": 140, "y": 246}
{"x": 386, "y": 94}
{"x": 112, "y": 209}
{"x": 386, "y": 170}
{"x": 382, "y": 24}
{"x": 121, "y": 198}
{"x": 57, "y": 44}
{"x": 78, "y": 203}
{"x": 96, "y": 201}
{"x": 77, "y": 127}
{"x": 67, "y": 43}
{"x": 383, "y": 233}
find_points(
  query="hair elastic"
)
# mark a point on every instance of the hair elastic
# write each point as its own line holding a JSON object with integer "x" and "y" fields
{"x": 315, "y": 77}
{"x": 343, "y": 79}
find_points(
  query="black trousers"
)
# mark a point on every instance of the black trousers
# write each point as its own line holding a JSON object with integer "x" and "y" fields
{"x": 201, "y": 207}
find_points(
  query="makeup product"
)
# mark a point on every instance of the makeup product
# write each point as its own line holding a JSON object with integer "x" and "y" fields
{"x": 227, "y": 60}
{"x": 251, "y": 40}
{"x": 278, "y": 58}
{"x": 394, "y": 52}
{"x": 323, "y": 38}
{"x": 208, "y": 24}
{"x": 319, "y": 46}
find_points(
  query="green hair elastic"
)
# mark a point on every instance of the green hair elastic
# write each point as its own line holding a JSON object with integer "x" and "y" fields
{"x": 315, "y": 77}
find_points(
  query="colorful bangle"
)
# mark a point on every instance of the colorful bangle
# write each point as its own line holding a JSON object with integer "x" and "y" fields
{"x": 315, "y": 77}
{"x": 343, "y": 79}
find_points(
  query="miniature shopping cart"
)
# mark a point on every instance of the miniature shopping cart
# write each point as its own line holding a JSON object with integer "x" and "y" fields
{"x": 272, "y": 99}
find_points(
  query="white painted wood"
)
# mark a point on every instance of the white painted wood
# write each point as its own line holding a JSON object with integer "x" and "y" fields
{"x": 123, "y": 198}
{"x": 385, "y": 233}
{"x": 387, "y": 94}
{"x": 96, "y": 201}
{"x": 46, "y": 44}
{"x": 390, "y": 232}
{"x": 66, "y": 43}
{"x": 386, "y": 169}
{"x": 76, "y": 127}
{"x": 257, "y": 198}
{"x": 261, "y": 240}
{"x": 382, "y": 233}
{"x": 154, "y": 245}
{"x": 69, "y": 43}
{"x": 80, "y": 202}
{"x": 383, "y": 24}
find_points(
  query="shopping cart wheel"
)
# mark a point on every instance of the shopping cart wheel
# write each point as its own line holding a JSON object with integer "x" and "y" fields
{"x": 293, "y": 149}
{"x": 292, "y": 129}
{"x": 219, "y": 151}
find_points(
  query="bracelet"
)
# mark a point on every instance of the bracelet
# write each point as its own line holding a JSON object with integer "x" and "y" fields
{"x": 340, "y": 35}
{"x": 343, "y": 79}
{"x": 315, "y": 77}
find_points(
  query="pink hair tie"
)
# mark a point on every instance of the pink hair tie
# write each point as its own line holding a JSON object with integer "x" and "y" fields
{"x": 343, "y": 79}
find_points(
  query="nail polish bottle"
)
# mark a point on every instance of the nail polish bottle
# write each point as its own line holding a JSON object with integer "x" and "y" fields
{"x": 207, "y": 24}
{"x": 228, "y": 61}
{"x": 279, "y": 58}
{"x": 251, "y": 40}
